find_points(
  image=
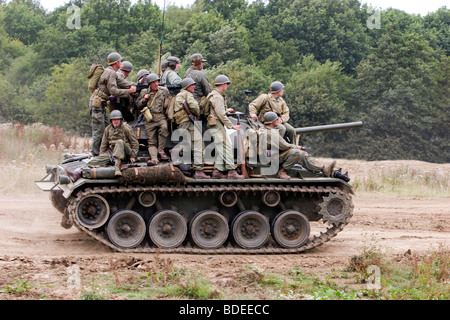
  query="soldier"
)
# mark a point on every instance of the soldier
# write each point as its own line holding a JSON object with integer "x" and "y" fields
{"x": 125, "y": 68}
{"x": 217, "y": 121}
{"x": 125, "y": 104}
{"x": 119, "y": 143}
{"x": 291, "y": 154}
{"x": 170, "y": 78}
{"x": 274, "y": 102}
{"x": 156, "y": 99}
{"x": 186, "y": 106}
{"x": 142, "y": 75}
{"x": 109, "y": 84}
{"x": 196, "y": 72}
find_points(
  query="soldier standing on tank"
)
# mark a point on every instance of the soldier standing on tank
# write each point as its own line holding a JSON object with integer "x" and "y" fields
{"x": 291, "y": 154}
{"x": 196, "y": 72}
{"x": 119, "y": 143}
{"x": 185, "y": 103}
{"x": 274, "y": 102}
{"x": 109, "y": 84}
{"x": 217, "y": 121}
{"x": 156, "y": 98}
{"x": 170, "y": 78}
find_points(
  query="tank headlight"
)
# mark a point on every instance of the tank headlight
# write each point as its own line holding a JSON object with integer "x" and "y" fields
{"x": 64, "y": 179}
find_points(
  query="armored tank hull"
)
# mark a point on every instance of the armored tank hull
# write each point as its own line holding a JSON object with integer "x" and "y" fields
{"x": 162, "y": 209}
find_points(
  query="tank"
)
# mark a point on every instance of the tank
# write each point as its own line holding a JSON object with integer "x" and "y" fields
{"x": 162, "y": 209}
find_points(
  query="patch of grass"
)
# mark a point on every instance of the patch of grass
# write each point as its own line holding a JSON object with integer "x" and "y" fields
{"x": 406, "y": 181}
{"x": 25, "y": 150}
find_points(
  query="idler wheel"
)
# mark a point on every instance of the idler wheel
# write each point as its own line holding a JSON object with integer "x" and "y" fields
{"x": 251, "y": 229}
{"x": 126, "y": 229}
{"x": 290, "y": 229}
{"x": 209, "y": 229}
{"x": 167, "y": 229}
{"x": 92, "y": 211}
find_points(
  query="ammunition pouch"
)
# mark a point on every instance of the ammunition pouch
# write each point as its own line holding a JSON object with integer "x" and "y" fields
{"x": 180, "y": 115}
{"x": 98, "y": 98}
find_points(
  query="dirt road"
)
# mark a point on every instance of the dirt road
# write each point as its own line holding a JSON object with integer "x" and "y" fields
{"x": 33, "y": 244}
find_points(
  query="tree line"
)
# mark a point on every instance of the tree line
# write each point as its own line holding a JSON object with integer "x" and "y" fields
{"x": 336, "y": 66}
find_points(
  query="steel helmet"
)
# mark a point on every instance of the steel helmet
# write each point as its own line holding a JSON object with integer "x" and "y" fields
{"x": 197, "y": 58}
{"x": 126, "y": 66}
{"x": 164, "y": 65}
{"x": 221, "y": 79}
{"x": 173, "y": 59}
{"x": 276, "y": 86}
{"x": 115, "y": 114}
{"x": 152, "y": 77}
{"x": 114, "y": 57}
{"x": 270, "y": 117}
{"x": 186, "y": 82}
{"x": 142, "y": 73}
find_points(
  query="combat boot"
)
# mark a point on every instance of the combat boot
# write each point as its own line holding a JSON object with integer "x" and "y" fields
{"x": 282, "y": 174}
{"x": 199, "y": 174}
{"x": 163, "y": 157}
{"x": 74, "y": 175}
{"x": 328, "y": 170}
{"x": 218, "y": 175}
{"x": 117, "y": 164}
{"x": 232, "y": 174}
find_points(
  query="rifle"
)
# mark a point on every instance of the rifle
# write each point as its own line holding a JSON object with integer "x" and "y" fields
{"x": 192, "y": 117}
{"x": 242, "y": 159}
{"x": 140, "y": 87}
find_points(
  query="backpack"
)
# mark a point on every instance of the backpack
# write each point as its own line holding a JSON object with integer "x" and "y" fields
{"x": 95, "y": 73}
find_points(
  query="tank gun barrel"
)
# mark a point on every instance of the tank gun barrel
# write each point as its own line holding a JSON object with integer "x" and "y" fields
{"x": 330, "y": 127}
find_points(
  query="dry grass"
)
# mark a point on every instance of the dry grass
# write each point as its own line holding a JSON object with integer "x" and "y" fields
{"x": 25, "y": 150}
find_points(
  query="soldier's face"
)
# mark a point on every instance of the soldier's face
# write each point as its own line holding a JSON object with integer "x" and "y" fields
{"x": 154, "y": 85}
{"x": 116, "y": 123}
{"x": 191, "y": 88}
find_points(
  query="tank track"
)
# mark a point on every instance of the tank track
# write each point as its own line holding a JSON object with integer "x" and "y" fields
{"x": 229, "y": 247}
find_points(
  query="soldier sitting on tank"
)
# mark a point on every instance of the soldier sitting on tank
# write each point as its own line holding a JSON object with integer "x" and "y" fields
{"x": 291, "y": 154}
{"x": 273, "y": 101}
{"x": 119, "y": 143}
{"x": 156, "y": 99}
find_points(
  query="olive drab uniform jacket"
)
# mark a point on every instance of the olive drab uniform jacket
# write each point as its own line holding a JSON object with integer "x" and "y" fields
{"x": 156, "y": 103}
{"x": 202, "y": 86}
{"x": 218, "y": 107}
{"x": 123, "y": 132}
{"x": 181, "y": 114}
{"x": 265, "y": 103}
{"x": 110, "y": 84}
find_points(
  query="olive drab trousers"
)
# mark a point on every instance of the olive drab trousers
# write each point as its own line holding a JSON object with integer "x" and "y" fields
{"x": 99, "y": 121}
{"x": 121, "y": 151}
{"x": 224, "y": 152}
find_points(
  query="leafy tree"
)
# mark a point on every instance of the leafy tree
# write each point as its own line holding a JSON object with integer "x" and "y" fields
{"x": 24, "y": 19}
{"x": 439, "y": 23}
{"x": 395, "y": 87}
{"x": 330, "y": 30}
{"x": 66, "y": 105}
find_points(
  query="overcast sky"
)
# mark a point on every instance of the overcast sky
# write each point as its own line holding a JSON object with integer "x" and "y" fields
{"x": 421, "y": 7}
